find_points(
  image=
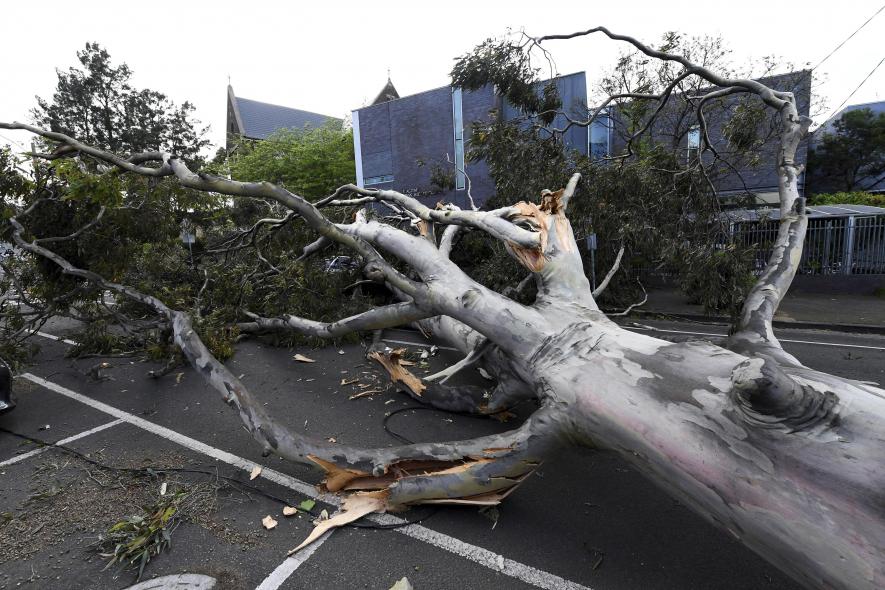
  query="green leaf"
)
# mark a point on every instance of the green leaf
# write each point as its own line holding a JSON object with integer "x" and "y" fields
{"x": 307, "y": 505}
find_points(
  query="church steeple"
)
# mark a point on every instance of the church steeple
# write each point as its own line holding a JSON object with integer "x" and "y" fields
{"x": 387, "y": 93}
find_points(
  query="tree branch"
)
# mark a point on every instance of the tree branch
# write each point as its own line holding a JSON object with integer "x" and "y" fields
{"x": 514, "y": 452}
{"x": 388, "y": 316}
{"x": 76, "y": 233}
{"x": 611, "y": 273}
{"x": 130, "y": 165}
{"x": 172, "y": 165}
{"x": 494, "y": 223}
{"x": 771, "y": 97}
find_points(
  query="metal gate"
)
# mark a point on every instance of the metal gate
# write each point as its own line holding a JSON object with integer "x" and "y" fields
{"x": 852, "y": 245}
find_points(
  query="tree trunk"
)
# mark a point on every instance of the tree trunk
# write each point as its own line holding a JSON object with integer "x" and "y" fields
{"x": 787, "y": 459}
{"x": 808, "y": 495}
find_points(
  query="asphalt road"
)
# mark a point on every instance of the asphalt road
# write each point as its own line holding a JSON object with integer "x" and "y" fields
{"x": 586, "y": 519}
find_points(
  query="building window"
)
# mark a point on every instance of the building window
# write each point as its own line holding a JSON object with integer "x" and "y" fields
{"x": 458, "y": 124}
{"x": 378, "y": 179}
{"x": 600, "y": 136}
{"x": 694, "y": 143}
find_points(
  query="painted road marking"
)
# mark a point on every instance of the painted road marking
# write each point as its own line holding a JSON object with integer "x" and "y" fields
{"x": 423, "y": 344}
{"x": 484, "y": 557}
{"x": 837, "y": 344}
{"x": 185, "y": 441}
{"x": 57, "y": 338}
{"x": 288, "y": 567}
{"x": 63, "y": 441}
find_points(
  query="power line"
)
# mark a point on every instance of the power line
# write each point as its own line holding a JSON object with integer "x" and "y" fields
{"x": 18, "y": 143}
{"x": 862, "y": 82}
{"x": 839, "y": 46}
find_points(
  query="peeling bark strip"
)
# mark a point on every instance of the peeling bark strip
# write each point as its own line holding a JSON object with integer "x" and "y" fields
{"x": 789, "y": 460}
{"x": 353, "y": 508}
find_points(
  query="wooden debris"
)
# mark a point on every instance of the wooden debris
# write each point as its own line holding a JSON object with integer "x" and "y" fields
{"x": 391, "y": 361}
{"x": 354, "y": 507}
{"x": 365, "y": 393}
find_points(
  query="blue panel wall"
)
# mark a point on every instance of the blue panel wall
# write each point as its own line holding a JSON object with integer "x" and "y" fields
{"x": 396, "y": 135}
{"x": 573, "y": 92}
{"x": 375, "y": 140}
{"x": 421, "y": 131}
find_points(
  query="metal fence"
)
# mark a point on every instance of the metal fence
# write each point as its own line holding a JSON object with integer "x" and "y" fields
{"x": 833, "y": 246}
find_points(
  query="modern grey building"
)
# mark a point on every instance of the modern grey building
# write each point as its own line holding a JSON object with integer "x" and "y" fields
{"x": 252, "y": 119}
{"x": 400, "y": 141}
{"x": 676, "y": 127}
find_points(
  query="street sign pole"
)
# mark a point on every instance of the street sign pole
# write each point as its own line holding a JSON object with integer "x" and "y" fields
{"x": 591, "y": 246}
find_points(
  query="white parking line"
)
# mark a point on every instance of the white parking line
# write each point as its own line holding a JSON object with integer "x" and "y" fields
{"x": 423, "y": 344}
{"x": 484, "y": 557}
{"x": 815, "y": 342}
{"x": 63, "y": 441}
{"x": 185, "y": 441}
{"x": 56, "y": 338}
{"x": 288, "y": 567}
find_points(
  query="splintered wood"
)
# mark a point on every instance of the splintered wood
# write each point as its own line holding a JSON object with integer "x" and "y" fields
{"x": 353, "y": 508}
{"x": 393, "y": 363}
{"x": 533, "y": 259}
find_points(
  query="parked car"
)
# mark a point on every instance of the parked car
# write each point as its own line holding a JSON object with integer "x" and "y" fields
{"x": 6, "y": 401}
{"x": 341, "y": 264}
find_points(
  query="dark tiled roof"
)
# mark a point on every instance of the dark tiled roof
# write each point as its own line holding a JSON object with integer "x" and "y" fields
{"x": 260, "y": 119}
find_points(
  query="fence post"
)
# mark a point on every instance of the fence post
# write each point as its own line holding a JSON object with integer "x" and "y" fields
{"x": 848, "y": 249}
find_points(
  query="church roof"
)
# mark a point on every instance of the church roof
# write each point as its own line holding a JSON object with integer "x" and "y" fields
{"x": 387, "y": 93}
{"x": 258, "y": 119}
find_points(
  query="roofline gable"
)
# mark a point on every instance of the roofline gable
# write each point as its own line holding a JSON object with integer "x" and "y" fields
{"x": 232, "y": 99}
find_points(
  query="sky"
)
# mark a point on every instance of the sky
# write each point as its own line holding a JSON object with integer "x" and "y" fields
{"x": 331, "y": 57}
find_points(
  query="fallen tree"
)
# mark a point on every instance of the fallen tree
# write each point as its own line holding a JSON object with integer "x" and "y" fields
{"x": 787, "y": 459}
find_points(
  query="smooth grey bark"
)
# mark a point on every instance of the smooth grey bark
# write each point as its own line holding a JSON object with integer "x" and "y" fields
{"x": 787, "y": 459}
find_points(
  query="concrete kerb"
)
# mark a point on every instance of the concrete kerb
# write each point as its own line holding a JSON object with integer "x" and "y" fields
{"x": 782, "y": 324}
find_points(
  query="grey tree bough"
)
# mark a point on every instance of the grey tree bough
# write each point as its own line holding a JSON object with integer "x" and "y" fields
{"x": 787, "y": 459}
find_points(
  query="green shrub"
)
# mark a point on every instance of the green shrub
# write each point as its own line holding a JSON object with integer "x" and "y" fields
{"x": 852, "y": 198}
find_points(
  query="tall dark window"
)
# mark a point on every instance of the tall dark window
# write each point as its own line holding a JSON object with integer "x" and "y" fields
{"x": 600, "y": 136}
{"x": 458, "y": 124}
{"x": 694, "y": 143}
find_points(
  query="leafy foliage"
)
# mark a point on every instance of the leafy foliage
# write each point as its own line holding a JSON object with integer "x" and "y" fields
{"x": 508, "y": 67}
{"x": 143, "y": 225}
{"x": 726, "y": 267}
{"x": 742, "y": 128}
{"x": 131, "y": 543}
{"x": 306, "y": 161}
{"x": 848, "y": 198}
{"x": 97, "y": 104}
{"x": 853, "y": 157}
{"x": 655, "y": 205}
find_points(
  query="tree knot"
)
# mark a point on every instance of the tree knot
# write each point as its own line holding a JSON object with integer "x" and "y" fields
{"x": 767, "y": 397}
